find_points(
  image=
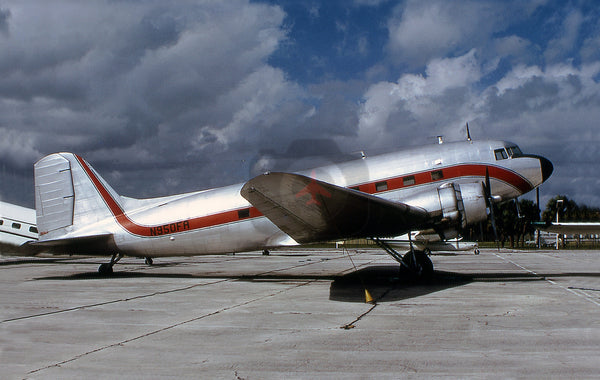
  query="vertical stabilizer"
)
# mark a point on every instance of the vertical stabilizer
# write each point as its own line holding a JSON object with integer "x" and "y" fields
{"x": 66, "y": 199}
{"x": 54, "y": 194}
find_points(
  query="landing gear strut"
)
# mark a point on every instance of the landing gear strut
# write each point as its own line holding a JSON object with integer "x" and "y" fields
{"x": 414, "y": 262}
{"x": 107, "y": 268}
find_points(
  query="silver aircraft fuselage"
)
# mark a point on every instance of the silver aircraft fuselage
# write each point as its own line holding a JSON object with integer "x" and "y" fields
{"x": 220, "y": 220}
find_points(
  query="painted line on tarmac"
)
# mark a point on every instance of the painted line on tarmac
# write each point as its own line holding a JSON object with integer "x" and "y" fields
{"x": 568, "y": 289}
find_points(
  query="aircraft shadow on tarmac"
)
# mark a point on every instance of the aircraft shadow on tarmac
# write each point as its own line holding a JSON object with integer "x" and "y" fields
{"x": 385, "y": 282}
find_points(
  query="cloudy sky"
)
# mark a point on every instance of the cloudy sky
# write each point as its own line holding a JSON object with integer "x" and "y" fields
{"x": 168, "y": 97}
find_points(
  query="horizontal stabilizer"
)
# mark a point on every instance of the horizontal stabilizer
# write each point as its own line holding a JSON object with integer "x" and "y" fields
{"x": 98, "y": 245}
{"x": 310, "y": 210}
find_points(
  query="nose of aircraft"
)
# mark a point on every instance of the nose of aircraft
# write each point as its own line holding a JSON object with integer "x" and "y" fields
{"x": 547, "y": 168}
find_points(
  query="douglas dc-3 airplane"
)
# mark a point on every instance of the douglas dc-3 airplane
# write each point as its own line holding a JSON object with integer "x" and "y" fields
{"x": 440, "y": 188}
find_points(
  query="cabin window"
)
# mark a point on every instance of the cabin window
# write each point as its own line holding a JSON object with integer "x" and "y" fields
{"x": 33, "y": 229}
{"x": 355, "y": 188}
{"x": 16, "y": 226}
{"x": 381, "y": 186}
{"x": 1, "y": 222}
{"x": 437, "y": 174}
{"x": 245, "y": 213}
{"x": 500, "y": 154}
{"x": 408, "y": 181}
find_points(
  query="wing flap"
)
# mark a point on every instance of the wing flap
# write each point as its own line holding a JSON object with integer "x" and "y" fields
{"x": 310, "y": 210}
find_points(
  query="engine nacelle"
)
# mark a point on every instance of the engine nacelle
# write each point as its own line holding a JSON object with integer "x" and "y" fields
{"x": 452, "y": 206}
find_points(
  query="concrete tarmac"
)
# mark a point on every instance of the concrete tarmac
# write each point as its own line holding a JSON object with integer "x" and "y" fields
{"x": 302, "y": 314}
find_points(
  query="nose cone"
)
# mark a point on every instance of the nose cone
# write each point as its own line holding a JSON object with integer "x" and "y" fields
{"x": 547, "y": 168}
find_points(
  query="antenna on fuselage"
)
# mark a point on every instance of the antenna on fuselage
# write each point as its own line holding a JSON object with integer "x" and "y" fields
{"x": 468, "y": 133}
{"x": 362, "y": 153}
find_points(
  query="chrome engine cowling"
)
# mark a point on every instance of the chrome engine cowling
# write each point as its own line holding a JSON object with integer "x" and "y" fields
{"x": 452, "y": 206}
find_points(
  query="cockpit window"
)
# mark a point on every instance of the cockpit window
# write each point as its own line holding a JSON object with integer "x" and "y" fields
{"x": 500, "y": 154}
{"x": 514, "y": 151}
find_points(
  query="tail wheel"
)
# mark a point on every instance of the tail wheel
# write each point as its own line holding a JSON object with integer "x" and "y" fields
{"x": 105, "y": 269}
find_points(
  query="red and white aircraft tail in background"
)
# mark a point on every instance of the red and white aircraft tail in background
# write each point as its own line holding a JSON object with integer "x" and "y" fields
{"x": 440, "y": 188}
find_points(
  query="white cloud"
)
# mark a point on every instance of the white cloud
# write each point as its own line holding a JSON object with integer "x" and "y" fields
{"x": 257, "y": 100}
{"x": 116, "y": 80}
{"x": 423, "y": 30}
{"x": 186, "y": 90}
{"x": 562, "y": 46}
{"x": 116, "y": 71}
{"x": 416, "y": 96}
{"x": 590, "y": 51}
{"x": 420, "y": 31}
{"x": 552, "y": 111}
{"x": 512, "y": 46}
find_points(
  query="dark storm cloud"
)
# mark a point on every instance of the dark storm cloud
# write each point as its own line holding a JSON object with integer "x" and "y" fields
{"x": 4, "y": 16}
{"x": 142, "y": 82}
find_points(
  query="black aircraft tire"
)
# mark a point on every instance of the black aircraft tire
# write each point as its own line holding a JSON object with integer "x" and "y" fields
{"x": 105, "y": 269}
{"x": 422, "y": 270}
{"x": 426, "y": 266}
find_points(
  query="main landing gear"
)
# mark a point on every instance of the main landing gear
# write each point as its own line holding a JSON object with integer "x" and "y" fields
{"x": 414, "y": 263}
{"x": 107, "y": 268}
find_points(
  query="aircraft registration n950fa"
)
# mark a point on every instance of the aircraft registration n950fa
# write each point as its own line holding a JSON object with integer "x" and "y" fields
{"x": 440, "y": 188}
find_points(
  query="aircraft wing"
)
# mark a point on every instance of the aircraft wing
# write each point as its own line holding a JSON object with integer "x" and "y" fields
{"x": 569, "y": 227}
{"x": 310, "y": 210}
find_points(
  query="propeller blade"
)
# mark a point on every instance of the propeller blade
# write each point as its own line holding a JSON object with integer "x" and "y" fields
{"x": 493, "y": 220}
{"x": 487, "y": 189}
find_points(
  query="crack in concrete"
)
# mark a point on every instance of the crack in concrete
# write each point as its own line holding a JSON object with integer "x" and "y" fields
{"x": 123, "y": 342}
{"x": 82, "y": 307}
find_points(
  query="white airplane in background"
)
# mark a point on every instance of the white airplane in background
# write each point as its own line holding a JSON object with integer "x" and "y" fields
{"x": 441, "y": 187}
{"x": 431, "y": 242}
{"x": 17, "y": 227}
{"x": 570, "y": 228}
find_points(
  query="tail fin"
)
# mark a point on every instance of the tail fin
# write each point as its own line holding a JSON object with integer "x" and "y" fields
{"x": 67, "y": 195}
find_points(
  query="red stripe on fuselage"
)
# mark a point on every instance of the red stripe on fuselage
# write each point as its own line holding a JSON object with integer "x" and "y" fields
{"x": 160, "y": 229}
{"x": 396, "y": 183}
{"x": 448, "y": 173}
